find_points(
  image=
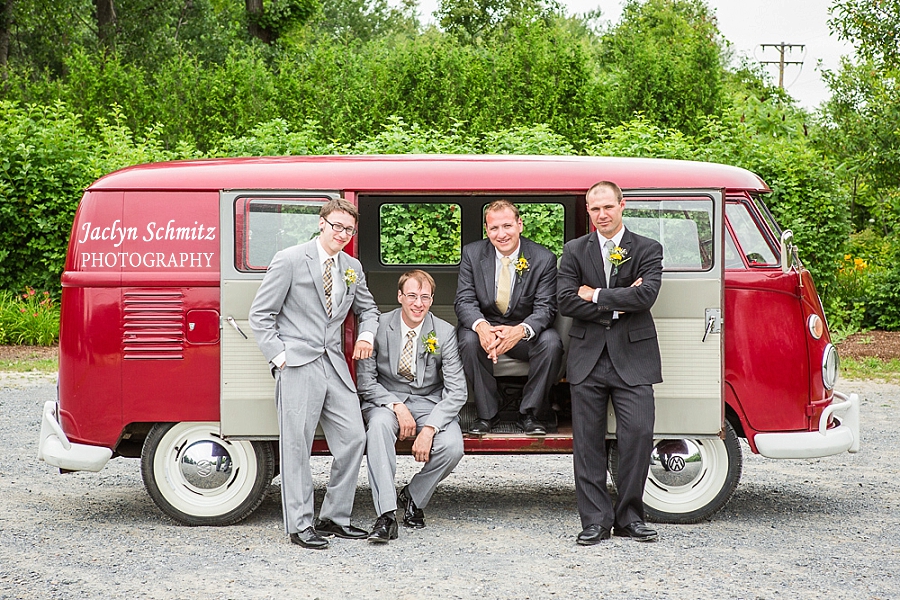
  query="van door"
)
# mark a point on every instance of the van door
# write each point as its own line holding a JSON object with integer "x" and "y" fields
{"x": 254, "y": 225}
{"x": 688, "y": 312}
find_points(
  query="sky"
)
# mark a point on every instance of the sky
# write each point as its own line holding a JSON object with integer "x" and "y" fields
{"x": 749, "y": 23}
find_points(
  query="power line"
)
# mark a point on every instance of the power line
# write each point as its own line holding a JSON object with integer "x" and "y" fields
{"x": 781, "y": 62}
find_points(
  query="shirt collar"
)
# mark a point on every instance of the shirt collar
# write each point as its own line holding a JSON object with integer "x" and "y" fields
{"x": 514, "y": 255}
{"x": 616, "y": 239}
{"x": 405, "y": 329}
{"x": 323, "y": 255}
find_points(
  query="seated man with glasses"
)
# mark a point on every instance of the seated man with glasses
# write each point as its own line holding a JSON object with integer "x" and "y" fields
{"x": 412, "y": 387}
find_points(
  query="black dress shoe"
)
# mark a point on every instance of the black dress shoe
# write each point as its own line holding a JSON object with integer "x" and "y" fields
{"x": 638, "y": 531}
{"x": 530, "y": 426}
{"x": 412, "y": 514}
{"x": 592, "y": 534}
{"x": 308, "y": 538}
{"x": 483, "y": 426}
{"x": 327, "y": 528}
{"x": 384, "y": 529}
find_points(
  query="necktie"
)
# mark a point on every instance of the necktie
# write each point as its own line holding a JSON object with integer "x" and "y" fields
{"x": 406, "y": 357}
{"x": 607, "y": 264}
{"x": 328, "y": 281}
{"x": 504, "y": 283}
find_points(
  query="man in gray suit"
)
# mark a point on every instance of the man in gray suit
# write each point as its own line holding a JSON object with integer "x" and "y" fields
{"x": 412, "y": 387}
{"x": 297, "y": 318}
{"x": 506, "y": 304}
{"x": 608, "y": 281}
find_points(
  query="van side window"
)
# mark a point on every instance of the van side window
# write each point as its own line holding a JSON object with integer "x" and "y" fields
{"x": 732, "y": 256}
{"x": 683, "y": 227}
{"x": 750, "y": 239}
{"x": 263, "y": 226}
{"x": 544, "y": 223}
{"x": 420, "y": 233}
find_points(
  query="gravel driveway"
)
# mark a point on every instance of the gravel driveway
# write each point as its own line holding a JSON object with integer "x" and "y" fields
{"x": 499, "y": 527}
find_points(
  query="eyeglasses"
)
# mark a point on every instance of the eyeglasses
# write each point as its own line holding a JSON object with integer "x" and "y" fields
{"x": 351, "y": 231}
{"x": 425, "y": 298}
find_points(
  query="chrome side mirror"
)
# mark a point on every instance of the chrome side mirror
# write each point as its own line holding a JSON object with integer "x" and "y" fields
{"x": 789, "y": 257}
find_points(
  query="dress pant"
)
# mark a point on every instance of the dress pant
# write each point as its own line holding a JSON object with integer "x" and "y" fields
{"x": 305, "y": 396}
{"x": 382, "y": 429}
{"x": 544, "y": 356}
{"x": 634, "y": 409}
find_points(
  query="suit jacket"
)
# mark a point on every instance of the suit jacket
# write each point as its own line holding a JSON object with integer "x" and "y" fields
{"x": 288, "y": 313}
{"x": 630, "y": 339}
{"x": 439, "y": 376}
{"x": 533, "y": 298}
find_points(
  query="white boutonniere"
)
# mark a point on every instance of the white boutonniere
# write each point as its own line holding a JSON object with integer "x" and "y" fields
{"x": 349, "y": 277}
{"x": 617, "y": 258}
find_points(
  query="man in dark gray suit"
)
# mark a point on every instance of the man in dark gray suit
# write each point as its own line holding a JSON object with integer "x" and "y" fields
{"x": 608, "y": 281}
{"x": 412, "y": 387}
{"x": 506, "y": 304}
{"x": 297, "y": 318}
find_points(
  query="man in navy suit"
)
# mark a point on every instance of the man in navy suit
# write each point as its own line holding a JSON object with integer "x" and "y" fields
{"x": 608, "y": 281}
{"x": 506, "y": 304}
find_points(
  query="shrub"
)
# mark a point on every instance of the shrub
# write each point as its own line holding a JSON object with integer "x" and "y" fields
{"x": 29, "y": 318}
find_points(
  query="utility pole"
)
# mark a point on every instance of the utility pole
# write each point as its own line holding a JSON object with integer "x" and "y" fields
{"x": 781, "y": 62}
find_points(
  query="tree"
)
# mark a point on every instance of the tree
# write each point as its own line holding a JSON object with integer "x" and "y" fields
{"x": 664, "y": 60}
{"x": 366, "y": 20}
{"x": 6, "y": 23}
{"x": 470, "y": 20}
{"x": 873, "y": 26}
{"x": 268, "y": 22}
{"x": 105, "y": 13}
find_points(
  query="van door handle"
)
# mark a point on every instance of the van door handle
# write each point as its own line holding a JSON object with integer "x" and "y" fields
{"x": 713, "y": 322}
{"x": 234, "y": 324}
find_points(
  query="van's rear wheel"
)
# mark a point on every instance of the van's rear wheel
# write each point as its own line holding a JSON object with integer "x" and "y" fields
{"x": 198, "y": 478}
{"x": 689, "y": 479}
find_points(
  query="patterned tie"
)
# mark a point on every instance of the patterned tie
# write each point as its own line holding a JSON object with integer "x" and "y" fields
{"x": 607, "y": 264}
{"x": 328, "y": 280}
{"x": 406, "y": 357}
{"x": 504, "y": 283}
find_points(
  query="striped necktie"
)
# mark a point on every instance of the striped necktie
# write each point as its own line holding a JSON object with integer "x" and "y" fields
{"x": 327, "y": 278}
{"x": 406, "y": 357}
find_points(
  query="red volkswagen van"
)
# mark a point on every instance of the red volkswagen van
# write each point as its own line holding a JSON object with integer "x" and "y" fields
{"x": 156, "y": 360}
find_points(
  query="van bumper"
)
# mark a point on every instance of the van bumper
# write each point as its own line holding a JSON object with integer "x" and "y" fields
{"x": 56, "y": 450}
{"x": 816, "y": 444}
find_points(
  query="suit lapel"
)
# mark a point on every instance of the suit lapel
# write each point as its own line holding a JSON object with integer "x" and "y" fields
{"x": 421, "y": 355}
{"x": 395, "y": 344}
{"x": 626, "y": 244}
{"x": 595, "y": 258}
{"x": 488, "y": 266}
{"x": 315, "y": 271}
{"x": 343, "y": 265}
{"x": 519, "y": 282}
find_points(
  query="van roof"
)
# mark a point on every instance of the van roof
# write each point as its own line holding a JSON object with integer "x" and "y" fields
{"x": 428, "y": 173}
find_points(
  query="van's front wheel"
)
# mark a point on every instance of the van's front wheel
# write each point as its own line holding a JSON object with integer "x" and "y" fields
{"x": 689, "y": 479}
{"x": 198, "y": 478}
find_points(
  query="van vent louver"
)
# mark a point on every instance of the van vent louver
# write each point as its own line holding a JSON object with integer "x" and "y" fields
{"x": 153, "y": 325}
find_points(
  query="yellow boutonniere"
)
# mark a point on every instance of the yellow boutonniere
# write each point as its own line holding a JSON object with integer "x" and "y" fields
{"x": 521, "y": 266}
{"x": 430, "y": 343}
{"x": 349, "y": 277}
{"x": 617, "y": 258}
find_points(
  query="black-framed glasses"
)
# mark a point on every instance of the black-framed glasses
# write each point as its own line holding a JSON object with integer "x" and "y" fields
{"x": 425, "y": 298}
{"x": 351, "y": 231}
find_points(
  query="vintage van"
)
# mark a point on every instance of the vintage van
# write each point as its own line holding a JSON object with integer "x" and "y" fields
{"x": 157, "y": 361}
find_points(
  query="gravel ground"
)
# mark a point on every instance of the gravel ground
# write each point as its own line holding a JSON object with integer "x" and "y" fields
{"x": 499, "y": 527}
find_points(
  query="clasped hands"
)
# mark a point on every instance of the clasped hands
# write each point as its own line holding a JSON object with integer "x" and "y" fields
{"x": 586, "y": 292}
{"x": 421, "y": 448}
{"x": 498, "y": 339}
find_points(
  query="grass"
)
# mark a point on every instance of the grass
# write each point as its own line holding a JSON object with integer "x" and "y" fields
{"x": 27, "y": 365}
{"x": 871, "y": 368}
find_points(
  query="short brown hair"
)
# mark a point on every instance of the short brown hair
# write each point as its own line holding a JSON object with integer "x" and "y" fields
{"x": 615, "y": 189}
{"x": 418, "y": 275}
{"x": 339, "y": 204}
{"x": 498, "y": 205}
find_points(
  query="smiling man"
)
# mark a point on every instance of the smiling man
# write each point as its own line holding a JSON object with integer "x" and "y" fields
{"x": 506, "y": 304}
{"x": 412, "y": 387}
{"x": 297, "y": 318}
